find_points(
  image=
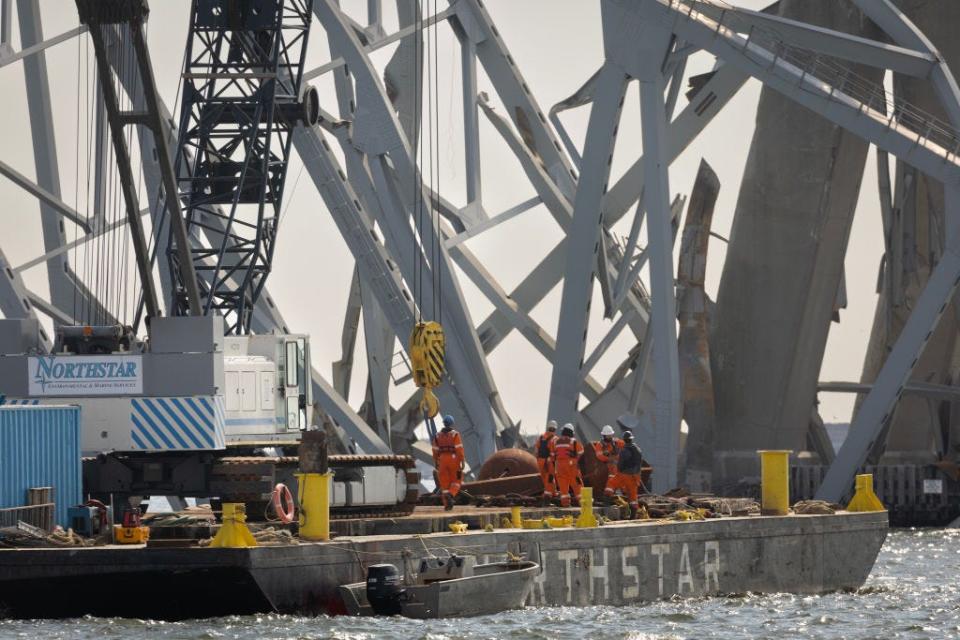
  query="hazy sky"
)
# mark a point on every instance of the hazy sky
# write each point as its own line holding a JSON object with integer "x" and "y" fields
{"x": 557, "y": 46}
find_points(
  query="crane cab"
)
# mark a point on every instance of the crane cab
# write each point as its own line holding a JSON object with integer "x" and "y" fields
{"x": 267, "y": 390}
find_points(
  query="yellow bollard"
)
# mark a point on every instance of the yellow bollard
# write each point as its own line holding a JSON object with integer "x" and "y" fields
{"x": 865, "y": 499}
{"x": 586, "y": 518}
{"x": 515, "y": 520}
{"x": 313, "y": 496}
{"x": 774, "y": 483}
{"x": 234, "y": 532}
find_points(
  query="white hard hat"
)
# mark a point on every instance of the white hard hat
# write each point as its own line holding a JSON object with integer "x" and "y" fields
{"x": 552, "y": 425}
{"x": 606, "y": 431}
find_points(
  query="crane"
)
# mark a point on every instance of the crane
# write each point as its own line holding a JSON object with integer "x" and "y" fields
{"x": 203, "y": 399}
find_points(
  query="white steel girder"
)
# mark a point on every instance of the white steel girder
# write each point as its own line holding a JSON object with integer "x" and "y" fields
{"x": 698, "y": 22}
{"x": 66, "y": 290}
{"x": 617, "y": 201}
{"x": 857, "y": 113}
{"x": 583, "y": 240}
{"x": 637, "y": 51}
{"x": 378, "y": 134}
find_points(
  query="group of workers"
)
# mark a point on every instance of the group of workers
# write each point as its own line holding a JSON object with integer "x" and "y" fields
{"x": 558, "y": 459}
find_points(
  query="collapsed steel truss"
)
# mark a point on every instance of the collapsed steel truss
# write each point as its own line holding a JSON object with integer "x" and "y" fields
{"x": 371, "y": 201}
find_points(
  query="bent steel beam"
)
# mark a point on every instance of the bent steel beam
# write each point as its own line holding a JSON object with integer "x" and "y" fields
{"x": 663, "y": 314}
{"x": 917, "y": 63}
{"x": 801, "y": 85}
{"x": 893, "y": 21}
{"x": 878, "y": 406}
{"x": 15, "y": 298}
{"x": 44, "y": 196}
{"x": 514, "y": 93}
{"x": 378, "y": 134}
{"x": 66, "y": 290}
{"x": 583, "y": 240}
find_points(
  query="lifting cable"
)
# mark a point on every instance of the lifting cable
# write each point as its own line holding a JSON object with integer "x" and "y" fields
{"x": 90, "y": 246}
{"x": 76, "y": 180}
{"x": 427, "y": 343}
{"x": 103, "y": 269}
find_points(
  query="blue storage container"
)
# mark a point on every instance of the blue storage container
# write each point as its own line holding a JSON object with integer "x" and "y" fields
{"x": 40, "y": 447}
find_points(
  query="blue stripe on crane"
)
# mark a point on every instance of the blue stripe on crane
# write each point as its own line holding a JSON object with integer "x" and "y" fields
{"x": 182, "y": 423}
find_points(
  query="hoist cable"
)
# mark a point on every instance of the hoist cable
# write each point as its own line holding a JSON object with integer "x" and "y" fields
{"x": 418, "y": 161}
{"x": 438, "y": 290}
{"x": 88, "y": 247}
{"x": 76, "y": 181}
{"x": 429, "y": 89}
{"x": 115, "y": 234}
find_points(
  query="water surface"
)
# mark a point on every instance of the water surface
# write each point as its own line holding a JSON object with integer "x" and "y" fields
{"x": 912, "y": 593}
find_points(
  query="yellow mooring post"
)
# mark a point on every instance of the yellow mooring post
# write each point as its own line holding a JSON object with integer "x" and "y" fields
{"x": 515, "y": 520}
{"x": 586, "y": 518}
{"x": 234, "y": 532}
{"x": 865, "y": 499}
{"x": 313, "y": 494}
{"x": 313, "y": 486}
{"x": 774, "y": 483}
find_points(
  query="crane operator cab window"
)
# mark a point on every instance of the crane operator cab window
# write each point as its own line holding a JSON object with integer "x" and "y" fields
{"x": 296, "y": 384}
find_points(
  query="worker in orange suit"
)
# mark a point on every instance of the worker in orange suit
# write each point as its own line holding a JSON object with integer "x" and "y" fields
{"x": 565, "y": 452}
{"x": 448, "y": 459}
{"x": 608, "y": 450}
{"x": 544, "y": 463}
{"x": 626, "y": 479}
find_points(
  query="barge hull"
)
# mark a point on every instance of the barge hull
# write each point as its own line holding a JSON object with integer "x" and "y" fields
{"x": 614, "y": 564}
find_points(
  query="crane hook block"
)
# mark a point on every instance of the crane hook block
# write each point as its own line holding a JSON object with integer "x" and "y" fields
{"x": 427, "y": 347}
{"x": 429, "y": 404}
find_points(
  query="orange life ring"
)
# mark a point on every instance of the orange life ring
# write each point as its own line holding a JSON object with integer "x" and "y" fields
{"x": 283, "y": 498}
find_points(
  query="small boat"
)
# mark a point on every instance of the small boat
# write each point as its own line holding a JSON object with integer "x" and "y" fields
{"x": 452, "y": 587}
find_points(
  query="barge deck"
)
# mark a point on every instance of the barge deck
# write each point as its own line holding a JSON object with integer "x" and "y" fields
{"x": 617, "y": 563}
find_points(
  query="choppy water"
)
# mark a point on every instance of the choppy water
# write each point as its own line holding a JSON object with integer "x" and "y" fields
{"x": 912, "y": 593}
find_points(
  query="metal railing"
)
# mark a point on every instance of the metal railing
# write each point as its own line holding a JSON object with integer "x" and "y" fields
{"x": 840, "y": 81}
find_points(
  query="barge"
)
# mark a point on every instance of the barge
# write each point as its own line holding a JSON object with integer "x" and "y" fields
{"x": 619, "y": 563}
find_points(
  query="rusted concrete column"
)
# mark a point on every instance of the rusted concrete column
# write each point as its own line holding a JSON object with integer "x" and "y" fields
{"x": 783, "y": 268}
{"x": 917, "y": 239}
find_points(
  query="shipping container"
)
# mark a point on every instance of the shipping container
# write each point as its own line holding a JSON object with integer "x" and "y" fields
{"x": 40, "y": 447}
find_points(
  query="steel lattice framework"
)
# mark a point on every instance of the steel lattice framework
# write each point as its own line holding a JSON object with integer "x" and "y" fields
{"x": 241, "y": 95}
{"x": 244, "y": 69}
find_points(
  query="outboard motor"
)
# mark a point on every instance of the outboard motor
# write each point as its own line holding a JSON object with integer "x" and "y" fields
{"x": 384, "y": 589}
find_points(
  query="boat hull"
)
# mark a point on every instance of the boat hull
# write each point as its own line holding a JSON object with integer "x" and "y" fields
{"x": 617, "y": 564}
{"x": 494, "y": 587}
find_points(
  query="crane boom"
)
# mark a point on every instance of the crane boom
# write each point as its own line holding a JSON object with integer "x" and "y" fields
{"x": 242, "y": 97}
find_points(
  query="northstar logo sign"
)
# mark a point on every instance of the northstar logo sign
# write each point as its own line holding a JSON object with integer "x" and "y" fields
{"x": 85, "y": 375}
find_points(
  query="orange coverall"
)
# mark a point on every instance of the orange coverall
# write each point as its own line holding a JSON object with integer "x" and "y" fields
{"x": 628, "y": 483}
{"x": 545, "y": 464}
{"x": 565, "y": 453}
{"x": 448, "y": 458}
{"x": 608, "y": 451}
